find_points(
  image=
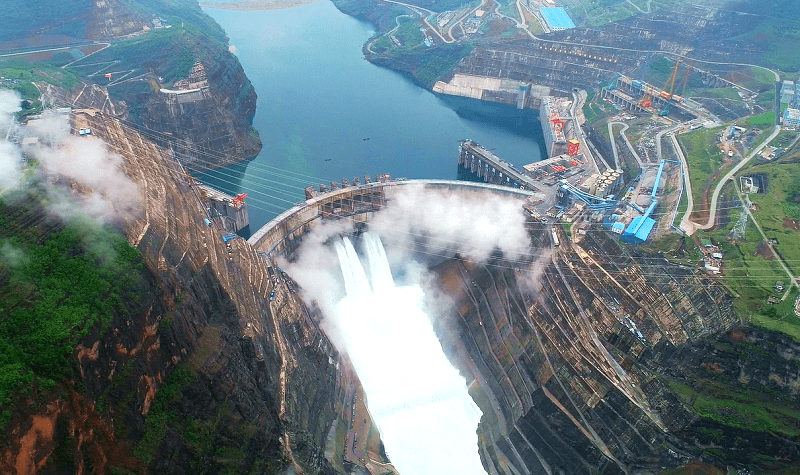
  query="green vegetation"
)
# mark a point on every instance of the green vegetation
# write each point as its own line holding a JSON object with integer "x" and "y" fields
{"x": 440, "y": 62}
{"x": 765, "y": 119}
{"x": 160, "y": 414}
{"x": 784, "y": 139}
{"x": 777, "y": 37}
{"x": 510, "y": 10}
{"x": 695, "y": 468}
{"x": 444, "y": 5}
{"x": 408, "y": 34}
{"x": 682, "y": 206}
{"x": 592, "y": 111}
{"x": 779, "y": 317}
{"x": 740, "y": 407}
{"x": 20, "y": 76}
{"x": 200, "y": 434}
{"x": 659, "y": 71}
{"x": 781, "y": 203}
{"x": 600, "y": 12}
{"x": 728, "y": 93}
{"x": 751, "y": 270}
{"x": 703, "y": 157}
{"x": 171, "y": 52}
{"x": 760, "y": 80}
{"x": 54, "y": 290}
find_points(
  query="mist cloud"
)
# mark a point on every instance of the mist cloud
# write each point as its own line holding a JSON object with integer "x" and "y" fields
{"x": 11, "y": 255}
{"x": 418, "y": 225}
{"x": 472, "y": 223}
{"x": 79, "y": 176}
{"x": 98, "y": 186}
{"x": 10, "y": 156}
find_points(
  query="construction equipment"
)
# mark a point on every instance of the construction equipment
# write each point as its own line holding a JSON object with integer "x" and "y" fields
{"x": 573, "y": 147}
{"x": 669, "y": 86}
{"x": 239, "y": 200}
{"x": 646, "y": 100}
{"x": 558, "y": 121}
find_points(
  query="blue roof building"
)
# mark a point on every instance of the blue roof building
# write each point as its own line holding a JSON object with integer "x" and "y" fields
{"x": 556, "y": 18}
{"x": 639, "y": 230}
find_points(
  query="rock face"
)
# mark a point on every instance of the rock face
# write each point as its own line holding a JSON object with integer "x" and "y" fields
{"x": 573, "y": 359}
{"x": 209, "y": 112}
{"x": 114, "y": 18}
{"x": 199, "y": 372}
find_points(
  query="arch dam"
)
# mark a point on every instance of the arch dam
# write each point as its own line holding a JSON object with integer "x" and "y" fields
{"x": 358, "y": 203}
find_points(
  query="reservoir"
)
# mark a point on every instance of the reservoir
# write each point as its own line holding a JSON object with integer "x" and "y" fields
{"x": 325, "y": 114}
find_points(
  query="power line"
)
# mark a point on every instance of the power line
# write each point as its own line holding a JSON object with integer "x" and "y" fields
{"x": 285, "y": 174}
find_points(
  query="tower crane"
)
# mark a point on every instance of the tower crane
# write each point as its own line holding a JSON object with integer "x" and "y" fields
{"x": 666, "y": 91}
{"x": 669, "y": 87}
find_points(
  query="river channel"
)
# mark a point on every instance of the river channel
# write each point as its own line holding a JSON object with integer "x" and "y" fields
{"x": 325, "y": 113}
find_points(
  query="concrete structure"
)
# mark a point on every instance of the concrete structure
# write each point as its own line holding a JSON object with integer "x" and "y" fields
{"x": 556, "y": 18}
{"x": 491, "y": 168}
{"x": 594, "y": 203}
{"x": 506, "y": 91}
{"x": 791, "y": 118}
{"x": 282, "y": 235}
{"x": 228, "y": 211}
{"x": 622, "y": 99}
{"x": 554, "y": 116}
{"x": 194, "y": 88}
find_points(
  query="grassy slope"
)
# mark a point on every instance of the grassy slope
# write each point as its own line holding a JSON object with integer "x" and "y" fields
{"x": 703, "y": 156}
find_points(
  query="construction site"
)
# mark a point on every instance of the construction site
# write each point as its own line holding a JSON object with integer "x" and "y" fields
{"x": 577, "y": 184}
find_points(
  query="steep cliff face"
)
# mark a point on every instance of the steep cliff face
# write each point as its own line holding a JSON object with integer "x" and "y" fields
{"x": 208, "y": 126}
{"x": 198, "y": 371}
{"x": 581, "y": 362}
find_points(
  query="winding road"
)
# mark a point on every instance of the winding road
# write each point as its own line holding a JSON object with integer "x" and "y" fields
{"x": 691, "y": 226}
{"x": 625, "y": 138}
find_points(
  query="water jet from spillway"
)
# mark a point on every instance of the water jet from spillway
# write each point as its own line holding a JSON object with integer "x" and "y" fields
{"x": 418, "y": 400}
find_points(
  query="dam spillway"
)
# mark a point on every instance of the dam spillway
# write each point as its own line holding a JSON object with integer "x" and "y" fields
{"x": 418, "y": 400}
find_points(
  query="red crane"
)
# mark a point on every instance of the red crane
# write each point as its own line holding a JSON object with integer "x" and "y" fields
{"x": 239, "y": 199}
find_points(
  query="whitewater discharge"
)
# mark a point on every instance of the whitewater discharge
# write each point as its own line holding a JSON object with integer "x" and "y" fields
{"x": 417, "y": 399}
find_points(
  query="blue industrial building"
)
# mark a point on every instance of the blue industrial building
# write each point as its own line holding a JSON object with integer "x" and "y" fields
{"x": 639, "y": 229}
{"x": 556, "y": 18}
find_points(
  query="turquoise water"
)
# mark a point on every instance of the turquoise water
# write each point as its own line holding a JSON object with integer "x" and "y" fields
{"x": 325, "y": 113}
